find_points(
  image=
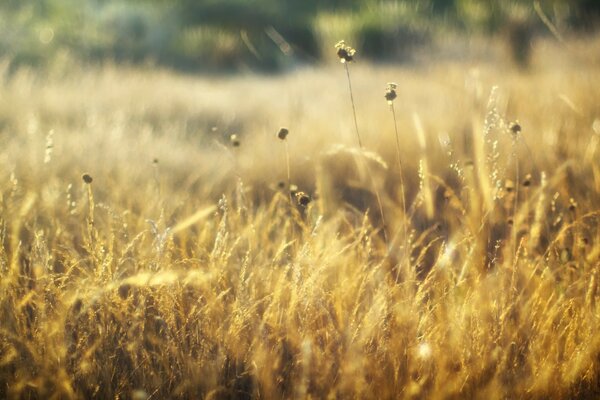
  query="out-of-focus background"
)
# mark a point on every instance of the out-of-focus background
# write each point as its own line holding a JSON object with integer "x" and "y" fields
{"x": 273, "y": 35}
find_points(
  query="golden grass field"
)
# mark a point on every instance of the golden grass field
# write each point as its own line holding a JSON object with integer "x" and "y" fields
{"x": 184, "y": 269}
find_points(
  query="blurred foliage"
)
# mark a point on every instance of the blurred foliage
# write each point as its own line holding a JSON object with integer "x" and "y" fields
{"x": 259, "y": 34}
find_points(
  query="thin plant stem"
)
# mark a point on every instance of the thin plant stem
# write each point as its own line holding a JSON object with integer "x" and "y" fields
{"x": 287, "y": 163}
{"x": 353, "y": 105}
{"x": 289, "y": 186}
{"x": 516, "y": 202}
{"x": 402, "y": 194}
{"x": 377, "y": 196}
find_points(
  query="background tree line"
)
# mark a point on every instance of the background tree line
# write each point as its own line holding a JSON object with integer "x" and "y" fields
{"x": 260, "y": 34}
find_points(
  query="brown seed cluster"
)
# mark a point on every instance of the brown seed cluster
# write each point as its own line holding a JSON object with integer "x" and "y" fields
{"x": 345, "y": 52}
{"x": 233, "y": 139}
{"x": 390, "y": 92}
{"x": 527, "y": 180}
{"x": 515, "y": 128}
{"x": 302, "y": 198}
{"x": 282, "y": 134}
{"x": 87, "y": 178}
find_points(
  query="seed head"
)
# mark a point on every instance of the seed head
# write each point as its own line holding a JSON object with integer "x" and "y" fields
{"x": 390, "y": 92}
{"x": 515, "y": 128}
{"x": 87, "y": 178}
{"x": 233, "y": 139}
{"x": 345, "y": 52}
{"x": 527, "y": 180}
{"x": 302, "y": 198}
{"x": 282, "y": 134}
{"x": 572, "y": 205}
{"x": 509, "y": 186}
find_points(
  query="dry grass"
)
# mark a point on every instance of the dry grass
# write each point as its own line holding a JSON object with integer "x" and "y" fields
{"x": 180, "y": 270}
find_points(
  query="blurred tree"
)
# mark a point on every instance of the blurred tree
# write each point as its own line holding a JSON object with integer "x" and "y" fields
{"x": 260, "y": 33}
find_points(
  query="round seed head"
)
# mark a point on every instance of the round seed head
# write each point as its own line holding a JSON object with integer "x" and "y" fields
{"x": 509, "y": 186}
{"x": 527, "y": 180}
{"x": 233, "y": 139}
{"x": 390, "y": 92}
{"x": 282, "y": 134}
{"x": 302, "y": 198}
{"x": 390, "y": 95}
{"x": 345, "y": 52}
{"x": 572, "y": 204}
{"x": 87, "y": 178}
{"x": 515, "y": 128}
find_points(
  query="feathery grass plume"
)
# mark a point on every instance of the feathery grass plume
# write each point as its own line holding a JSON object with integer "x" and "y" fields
{"x": 49, "y": 146}
{"x": 424, "y": 186}
{"x": 87, "y": 179}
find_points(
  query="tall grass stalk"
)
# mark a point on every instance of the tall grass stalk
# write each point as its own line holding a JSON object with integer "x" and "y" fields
{"x": 360, "y": 144}
{"x": 353, "y": 104}
{"x": 401, "y": 174}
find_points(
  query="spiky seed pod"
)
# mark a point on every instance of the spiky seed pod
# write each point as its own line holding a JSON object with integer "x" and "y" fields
{"x": 345, "y": 52}
{"x": 282, "y": 134}
{"x": 87, "y": 178}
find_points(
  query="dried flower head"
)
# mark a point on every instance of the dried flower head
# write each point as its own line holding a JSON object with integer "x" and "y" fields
{"x": 515, "y": 128}
{"x": 87, "y": 178}
{"x": 124, "y": 290}
{"x": 572, "y": 205}
{"x": 345, "y": 52}
{"x": 527, "y": 180}
{"x": 233, "y": 139}
{"x": 302, "y": 198}
{"x": 282, "y": 134}
{"x": 390, "y": 92}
